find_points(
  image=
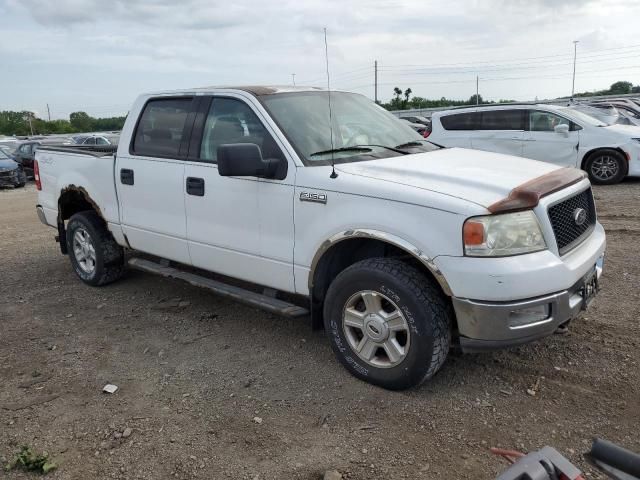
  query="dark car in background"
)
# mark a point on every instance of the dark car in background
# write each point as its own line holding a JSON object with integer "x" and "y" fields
{"x": 11, "y": 172}
{"x": 25, "y": 153}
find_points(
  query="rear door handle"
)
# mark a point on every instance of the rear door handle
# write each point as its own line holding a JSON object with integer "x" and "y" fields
{"x": 195, "y": 186}
{"x": 126, "y": 176}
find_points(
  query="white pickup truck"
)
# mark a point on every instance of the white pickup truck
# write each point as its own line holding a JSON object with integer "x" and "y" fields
{"x": 399, "y": 248}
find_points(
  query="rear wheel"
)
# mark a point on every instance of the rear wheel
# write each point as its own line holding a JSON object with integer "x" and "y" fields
{"x": 95, "y": 256}
{"x": 606, "y": 167}
{"x": 388, "y": 323}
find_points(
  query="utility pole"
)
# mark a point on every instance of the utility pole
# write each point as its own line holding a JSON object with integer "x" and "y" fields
{"x": 477, "y": 89}
{"x": 293, "y": 77}
{"x": 575, "y": 52}
{"x": 375, "y": 77}
{"x": 48, "y": 112}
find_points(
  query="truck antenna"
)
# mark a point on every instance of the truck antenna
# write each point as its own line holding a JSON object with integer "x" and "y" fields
{"x": 326, "y": 57}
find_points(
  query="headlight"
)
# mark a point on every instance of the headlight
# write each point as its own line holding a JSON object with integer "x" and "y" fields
{"x": 503, "y": 235}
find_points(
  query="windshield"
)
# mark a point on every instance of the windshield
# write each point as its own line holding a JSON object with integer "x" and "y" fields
{"x": 3, "y": 155}
{"x": 356, "y": 122}
{"x": 608, "y": 116}
{"x": 584, "y": 118}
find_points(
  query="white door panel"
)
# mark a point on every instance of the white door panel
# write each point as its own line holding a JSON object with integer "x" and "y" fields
{"x": 543, "y": 143}
{"x": 552, "y": 147}
{"x": 499, "y": 141}
{"x": 241, "y": 227}
{"x": 152, "y": 209}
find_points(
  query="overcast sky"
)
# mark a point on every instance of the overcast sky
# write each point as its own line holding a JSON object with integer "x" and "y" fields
{"x": 97, "y": 55}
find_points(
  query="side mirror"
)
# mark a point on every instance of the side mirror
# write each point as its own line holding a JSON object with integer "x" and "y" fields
{"x": 245, "y": 160}
{"x": 562, "y": 129}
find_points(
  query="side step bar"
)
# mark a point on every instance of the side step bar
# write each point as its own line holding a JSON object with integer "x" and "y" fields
{"x": 254, "y": 299}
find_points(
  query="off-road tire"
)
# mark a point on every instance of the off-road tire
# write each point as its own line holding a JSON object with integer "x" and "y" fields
{"x": 420, "y": 299}
{"x": 109, "y": 255}
{"x": 616, "y": 156}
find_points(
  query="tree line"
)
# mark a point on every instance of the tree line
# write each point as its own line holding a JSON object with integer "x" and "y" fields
{"x": 402, "y": 100}
{"x": 617, "y": 88}
{"x": 26, "y": 123}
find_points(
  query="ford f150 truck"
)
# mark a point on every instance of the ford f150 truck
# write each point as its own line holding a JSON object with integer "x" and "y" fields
{"x": 397, "y": 247}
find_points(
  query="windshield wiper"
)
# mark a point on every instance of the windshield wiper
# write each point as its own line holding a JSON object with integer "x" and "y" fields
{"x": 410, "y": 144}
{"x": 393, "y": 149}
{"x": 343, "y": 149}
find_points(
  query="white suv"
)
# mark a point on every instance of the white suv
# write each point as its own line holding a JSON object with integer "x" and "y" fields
{"x": 554, "y": 134}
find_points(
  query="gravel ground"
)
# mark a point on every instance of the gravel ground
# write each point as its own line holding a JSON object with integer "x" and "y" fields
{"x": 212, "y": 389}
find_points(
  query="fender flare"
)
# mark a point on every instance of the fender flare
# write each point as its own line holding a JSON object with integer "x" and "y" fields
{"x": 389, "y": 238}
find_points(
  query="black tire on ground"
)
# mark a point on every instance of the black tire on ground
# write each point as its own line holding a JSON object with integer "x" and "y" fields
{"x": 424, "y": 306}
{"x": 606, "y": 167}
{"x": 20, "y": 184}
{"x": 109, "y": 256}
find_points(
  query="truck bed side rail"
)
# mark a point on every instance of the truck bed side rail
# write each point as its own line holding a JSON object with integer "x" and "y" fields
{"x": 93, "y": 150}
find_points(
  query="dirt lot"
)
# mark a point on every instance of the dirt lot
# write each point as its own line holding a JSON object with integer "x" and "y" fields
{"x": 195, "y": 376}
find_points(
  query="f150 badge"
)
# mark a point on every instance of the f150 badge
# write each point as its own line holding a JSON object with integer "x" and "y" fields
{"x": 313, "y": 197}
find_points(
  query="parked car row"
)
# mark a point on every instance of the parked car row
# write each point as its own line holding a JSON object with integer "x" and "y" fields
{"x": 627, "y": 109}
{"x": 564, "y": 136}
{"x": 22, "y": 150}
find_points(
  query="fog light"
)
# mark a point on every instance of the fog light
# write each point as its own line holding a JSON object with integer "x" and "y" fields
{"x": 525, "y": 316}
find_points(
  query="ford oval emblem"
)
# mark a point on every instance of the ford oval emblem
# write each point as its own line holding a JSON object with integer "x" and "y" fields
{"x": 579, "y": 216}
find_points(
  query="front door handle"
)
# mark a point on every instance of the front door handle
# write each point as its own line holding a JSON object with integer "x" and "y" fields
{"x": 126, "y": 176}
{"x": 195, "y": 186}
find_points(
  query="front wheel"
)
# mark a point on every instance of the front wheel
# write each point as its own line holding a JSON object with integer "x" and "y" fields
{"x": 95, "y": 256}
{"x": 388, "y": 323}
{"x": 606, "y": 167}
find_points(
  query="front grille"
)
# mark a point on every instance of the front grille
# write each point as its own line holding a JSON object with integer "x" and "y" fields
{"x": 567, "y": 230}
{"x": 7, "y": 173}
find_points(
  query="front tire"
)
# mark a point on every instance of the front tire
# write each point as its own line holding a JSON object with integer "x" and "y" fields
{"x": 388, "y": 323}
{"x": 95, "y": 256}
{"x": 606, "y": 167}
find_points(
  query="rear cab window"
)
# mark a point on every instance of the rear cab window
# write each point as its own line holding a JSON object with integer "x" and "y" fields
{"x": 161, "y": 127}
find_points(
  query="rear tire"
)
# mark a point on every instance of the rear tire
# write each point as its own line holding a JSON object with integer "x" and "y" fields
{"x": 95, "y": 256}
{"x": 606, "y": 167}
{"x": 388, "y": 323}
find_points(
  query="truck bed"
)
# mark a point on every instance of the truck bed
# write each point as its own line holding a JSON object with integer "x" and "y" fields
{"x": 82, "y": 168}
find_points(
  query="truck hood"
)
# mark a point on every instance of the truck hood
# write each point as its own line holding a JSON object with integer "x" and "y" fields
{"x": 479, "y": 177}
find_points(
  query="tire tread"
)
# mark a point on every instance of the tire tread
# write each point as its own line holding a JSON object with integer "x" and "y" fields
{"x": 428, "y": 294}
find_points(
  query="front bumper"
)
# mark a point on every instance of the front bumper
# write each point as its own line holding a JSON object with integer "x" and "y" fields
{"x": 9, "y": 178}
{"x": 490, "y": 326}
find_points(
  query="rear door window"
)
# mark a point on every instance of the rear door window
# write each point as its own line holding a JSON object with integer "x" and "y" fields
{"x": 461, "y": 121}
{"x": 503, "y": 120}
{"x": 161, "y": 127}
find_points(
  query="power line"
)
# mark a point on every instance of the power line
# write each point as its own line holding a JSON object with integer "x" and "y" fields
{"x": 498, "y": 68}
{"x": 527, "y": 59}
